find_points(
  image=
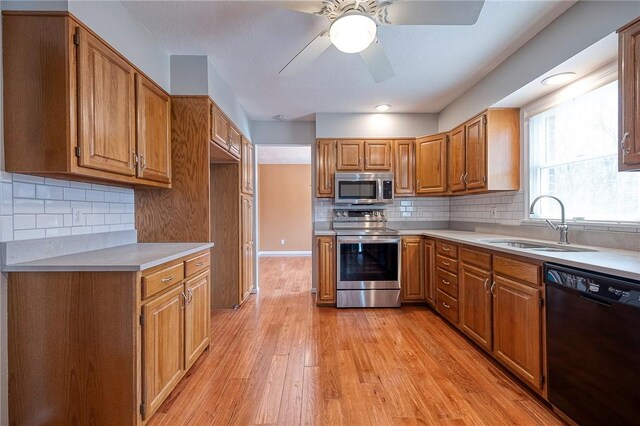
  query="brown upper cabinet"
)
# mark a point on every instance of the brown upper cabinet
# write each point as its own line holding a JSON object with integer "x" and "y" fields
{"x": 235, "y": 140}
{"x": 629, "y": 96}
{"x": 220, "y": 127}
{"x": 431, "y": 163}
{"x": 403, "y": 167}
{"x": 325, "y": 167}
{"x": 153, "y": 131}
{"x": 79, "y": 109}
{"x": 364, "y": 155}
{"x": 247, "y": 166}
{"x": 484, "y": 153}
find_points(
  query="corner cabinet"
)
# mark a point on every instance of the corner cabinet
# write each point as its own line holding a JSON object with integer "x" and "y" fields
{"x": 325, "y": 167}
{"x": 431, "y": 164}
{"x": 629, "y": 97}
{"x": 484, "y": 153}
{"x": 80, "y": 110}
{"x": 326, "y": 271}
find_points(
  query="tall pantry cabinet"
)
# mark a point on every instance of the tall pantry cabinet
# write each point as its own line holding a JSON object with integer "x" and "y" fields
{"x": 206, "y": 201}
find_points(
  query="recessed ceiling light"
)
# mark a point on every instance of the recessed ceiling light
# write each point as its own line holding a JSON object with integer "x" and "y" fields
{"x": 280, "y": 117}
{"x": 556, "y": 79}
{"x": 352, "y": 32}
{"x": 383, "y": 107}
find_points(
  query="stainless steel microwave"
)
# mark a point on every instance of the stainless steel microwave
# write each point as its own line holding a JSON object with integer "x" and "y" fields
{"x": 364, "y": 188}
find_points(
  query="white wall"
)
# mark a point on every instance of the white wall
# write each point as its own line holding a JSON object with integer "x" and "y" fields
{"x": 331, "y": 125}
{"x": 283, "y": 132}
{"x": 579, "y": 27}
{"x": 221, "y": 93}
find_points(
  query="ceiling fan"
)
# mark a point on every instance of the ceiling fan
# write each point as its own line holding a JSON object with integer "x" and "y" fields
{"x": 353, "y": 26}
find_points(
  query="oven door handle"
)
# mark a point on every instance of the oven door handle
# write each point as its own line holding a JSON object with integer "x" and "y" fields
{"x": 368, "y": 240}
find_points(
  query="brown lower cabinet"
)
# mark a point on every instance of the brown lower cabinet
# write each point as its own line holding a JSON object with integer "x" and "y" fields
{"x": 412, "y": 268}
{"x": 498, "y": 302}
{"x": 104, "y": 347}
{"x": 429, "y": 271}
{"x": 326, "y": 270}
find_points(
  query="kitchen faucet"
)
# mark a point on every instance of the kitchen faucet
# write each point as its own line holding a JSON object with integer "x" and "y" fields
{"x": 562, "y": 227}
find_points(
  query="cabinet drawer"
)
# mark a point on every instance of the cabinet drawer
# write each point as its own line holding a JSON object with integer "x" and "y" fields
{"x": 196, "y": 264}
{"x": 162, "y": 279}
{"x": 447, "y": 282}
{"x": 520, "y": 271}
{"x": 476, "y": 258}
{"x": 446, "y": 263}
{"x": 447, "y": 306}
{"x": 446, "y": 249}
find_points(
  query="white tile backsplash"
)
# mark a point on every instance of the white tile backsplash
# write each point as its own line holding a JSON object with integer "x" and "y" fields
{"x": 36, "y": 207}
{"x": 406, "y": 209}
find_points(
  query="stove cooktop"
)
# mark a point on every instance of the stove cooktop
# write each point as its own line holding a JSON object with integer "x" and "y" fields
{"x": 366, "y": 231}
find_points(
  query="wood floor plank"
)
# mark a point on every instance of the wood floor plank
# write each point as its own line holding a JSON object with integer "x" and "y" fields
{"x": 278, "y": 359}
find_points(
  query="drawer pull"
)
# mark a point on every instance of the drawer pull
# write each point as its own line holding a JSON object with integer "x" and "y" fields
{"x": 445, "y": 305}
{"x": 199, "y": 264}
{"x": 167, "y": 279}
{"x": 445, "y": 248}
{"x": 445, "y": 263}
{"x": 446, "y": 282}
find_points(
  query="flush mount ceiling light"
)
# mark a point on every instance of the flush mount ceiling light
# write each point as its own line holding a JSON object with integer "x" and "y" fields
{"x": 352, "y": 32}
{"x": 383, "y": 107}
{"x": 557, "y": 79}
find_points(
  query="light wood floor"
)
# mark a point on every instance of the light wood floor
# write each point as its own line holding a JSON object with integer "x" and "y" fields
{"x": 280, "y": 360}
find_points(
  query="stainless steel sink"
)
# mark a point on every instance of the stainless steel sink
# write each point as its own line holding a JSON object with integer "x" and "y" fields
{"x": 537, "y": 246}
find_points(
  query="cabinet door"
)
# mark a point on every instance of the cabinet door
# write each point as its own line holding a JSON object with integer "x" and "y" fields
{"x": 475, "y": 304}
{"x": 234, "y": 141}
{"x": 162, "y": 347}
{"x": 403, "y": 161}
{"x": 476, "y": 153}
{"x": 629, "y": 95}
{"x": 430, "y": 271}
{"x": 350, "y": 155}
{"x": 325, "y": 167}
{"x": 106, "y": 104}
{"x": 412, "y": 265}
{"x": 517, "y": 328}
{"x": 219, "y": 127}
{"x": 247, "y": 166}
{"x": 196, "y": 317}
{"x": 246, "y": 284}
{"x": 431, "y": 164}
{"x": 377, "y": 155}
{"x": 456, "y": 161}
{"x": 326, "y": 258}
{"x": 153, "y": 110}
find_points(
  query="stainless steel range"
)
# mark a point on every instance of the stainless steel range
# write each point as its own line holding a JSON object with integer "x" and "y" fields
{"x": 368, "y": 256}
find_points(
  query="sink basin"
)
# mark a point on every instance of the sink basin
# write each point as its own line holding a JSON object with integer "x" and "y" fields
{"x": 537, "y": 246}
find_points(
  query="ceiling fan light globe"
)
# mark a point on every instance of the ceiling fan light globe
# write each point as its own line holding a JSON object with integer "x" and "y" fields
{"x": 352, "y": 33}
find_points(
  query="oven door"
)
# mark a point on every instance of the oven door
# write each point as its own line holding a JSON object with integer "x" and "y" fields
{"x": 368, "y": 263}
{"x": 365, "y": 191}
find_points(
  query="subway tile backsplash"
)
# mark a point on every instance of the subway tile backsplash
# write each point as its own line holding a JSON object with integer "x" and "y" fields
{"x": 36, "y": 207}
{"x": 402, "y": 209}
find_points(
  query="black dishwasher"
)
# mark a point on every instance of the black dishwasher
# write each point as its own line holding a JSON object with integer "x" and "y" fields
{"x": 593, "y": 346}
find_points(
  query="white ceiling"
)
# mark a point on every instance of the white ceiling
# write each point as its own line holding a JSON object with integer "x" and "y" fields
{"x": 250, "y": 41}
{"x": 269, "y": 154}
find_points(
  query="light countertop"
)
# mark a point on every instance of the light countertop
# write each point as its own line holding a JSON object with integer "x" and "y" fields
{"x": 129, "y": 257}
{"x": 622, "y": 263}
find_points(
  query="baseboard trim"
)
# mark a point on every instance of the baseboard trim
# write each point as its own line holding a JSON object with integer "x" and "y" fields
{"x": 283, "y": 253}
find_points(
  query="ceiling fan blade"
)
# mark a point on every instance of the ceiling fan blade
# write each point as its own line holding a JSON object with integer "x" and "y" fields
{"x": 378, "y": 63}
{"x": 437, "y": 12}
{"x": 307, "y": 55}
{"x": 309, "y": 6}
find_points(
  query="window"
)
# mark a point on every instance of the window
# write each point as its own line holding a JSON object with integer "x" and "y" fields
{"x": 573, "y": 155}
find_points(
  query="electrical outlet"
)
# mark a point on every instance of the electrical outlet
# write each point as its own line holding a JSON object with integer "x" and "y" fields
{"x": 77, "y": 216}
{"x": 282, "y": 242}
{"x": 494, "y": 212}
